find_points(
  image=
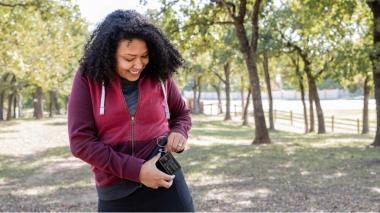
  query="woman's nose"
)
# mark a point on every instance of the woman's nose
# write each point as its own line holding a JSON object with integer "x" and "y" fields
{"x": 138, "y": 64}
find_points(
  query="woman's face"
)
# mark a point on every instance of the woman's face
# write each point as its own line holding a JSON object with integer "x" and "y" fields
{"x": 131, "y": 58}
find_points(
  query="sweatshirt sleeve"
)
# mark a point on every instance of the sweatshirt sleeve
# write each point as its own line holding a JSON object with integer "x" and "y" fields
{"x": 84, "y": 143}
{"x": 180, "y": 120}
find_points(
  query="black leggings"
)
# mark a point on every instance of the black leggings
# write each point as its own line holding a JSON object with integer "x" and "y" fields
{"x": 175, "y": 199}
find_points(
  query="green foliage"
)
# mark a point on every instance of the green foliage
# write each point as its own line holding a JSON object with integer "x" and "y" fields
{"x": 41, "y": 42}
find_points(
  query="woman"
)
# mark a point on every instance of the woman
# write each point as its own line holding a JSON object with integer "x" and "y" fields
{"x": 123, "y": 105}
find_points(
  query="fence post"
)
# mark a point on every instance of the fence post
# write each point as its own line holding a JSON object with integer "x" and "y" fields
{"x": 211, "y": 108}
{"x": 332, "y": 123}
{"x": 291, "y": 118}
{"x": 358, "y": 121}
{"x": 235, "y": 110}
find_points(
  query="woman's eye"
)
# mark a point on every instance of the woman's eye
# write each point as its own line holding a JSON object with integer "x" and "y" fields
{"x": 129, "y": 60}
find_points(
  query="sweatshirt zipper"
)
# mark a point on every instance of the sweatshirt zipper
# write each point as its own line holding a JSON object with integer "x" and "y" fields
{"x": 132, "y": 117}
{"x": 132, "y": 134}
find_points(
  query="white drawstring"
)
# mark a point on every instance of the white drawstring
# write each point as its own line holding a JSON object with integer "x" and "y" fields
{"x": 102, "y": 100}
{"x": 167, "y": 112}
{"x": 103, "y": 97}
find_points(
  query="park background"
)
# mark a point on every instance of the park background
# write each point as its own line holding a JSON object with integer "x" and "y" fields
{"x": 282, "y": 93}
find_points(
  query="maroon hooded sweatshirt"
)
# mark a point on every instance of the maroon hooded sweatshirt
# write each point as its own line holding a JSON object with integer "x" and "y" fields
{"x": 103, "y": 134}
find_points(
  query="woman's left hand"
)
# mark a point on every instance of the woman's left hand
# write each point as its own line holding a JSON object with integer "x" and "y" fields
{"x": 176, "y": 142}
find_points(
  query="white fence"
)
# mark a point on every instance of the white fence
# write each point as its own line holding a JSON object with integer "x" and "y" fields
{"x": 328, "y": 94}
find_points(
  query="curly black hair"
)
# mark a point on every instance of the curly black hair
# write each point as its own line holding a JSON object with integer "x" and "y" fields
{"x": 99, "y": 60}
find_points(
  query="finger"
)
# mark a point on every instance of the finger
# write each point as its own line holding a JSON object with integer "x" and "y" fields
{"x": 177, "y": 143}
{"x": 167, "y": 177}
{"x": 173, "y": 143}
{"x": 156, "y": 158}
{"x": 167, "y": 184}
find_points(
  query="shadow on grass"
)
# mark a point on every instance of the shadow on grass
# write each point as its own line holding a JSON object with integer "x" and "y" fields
{"x": 51, "y": 180}
{"x": 269, "y": 173}
{"x": 63, "y": 123}
{"x": 8, "y": 131}
{"x": 9, "y": 123}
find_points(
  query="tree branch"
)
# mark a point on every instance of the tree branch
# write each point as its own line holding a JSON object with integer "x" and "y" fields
{"x": 324, "y": 67}
{"x": 220, "y": 77}
{"x": 228, "y": 6}
{"x": 242, "y": 10}
{"x": 255, "y": 24}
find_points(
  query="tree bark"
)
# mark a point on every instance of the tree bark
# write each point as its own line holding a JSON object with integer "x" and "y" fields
{"x": 38, "y": 105}
{"x": 200, "y": 107}
{"x": 15, "y": 106}
{"x": 195, "y": 103}
{"x": 50, "y": 104}
{"x": 217, "y": 90}
{"x": 269, "y": 89}
{"x": 250, "y": 57}
{"x": 56, "y": 105}
{"x": 2, "y": 97}
{"x": 245, "y": 112}
{"x": 365, "y": 128}
{"x": 314, "y": 91}
{"x": 227, "y": 72}
{"x": 20, "y": 109}
{"x": 10, "y": 105}
{"x": 311, "y": 109}
{"x": 242, "y": 97}
{"x": 375, "y": 58}
{"x": 302, "y": 90}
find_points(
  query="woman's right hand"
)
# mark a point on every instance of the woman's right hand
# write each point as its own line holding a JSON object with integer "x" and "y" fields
{"x": 153, "y": 178}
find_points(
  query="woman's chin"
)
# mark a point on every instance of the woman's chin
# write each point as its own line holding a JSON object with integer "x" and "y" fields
{"x": 132, "y": 76}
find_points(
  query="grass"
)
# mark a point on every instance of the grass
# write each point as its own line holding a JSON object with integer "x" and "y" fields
{"x": 296, "y": 172}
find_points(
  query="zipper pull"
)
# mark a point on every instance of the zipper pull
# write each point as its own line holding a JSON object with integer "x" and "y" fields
{"x": 132, "y": 135}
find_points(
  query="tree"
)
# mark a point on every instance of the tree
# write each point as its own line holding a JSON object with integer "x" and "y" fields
{"x": 53, "y": 31}
{"x": 375, "y": 58}
{"x": 300, "y": 24}
{"x": 248, "y": 47}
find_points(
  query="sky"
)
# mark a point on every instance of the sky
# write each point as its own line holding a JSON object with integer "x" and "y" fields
{"x": 95, "y": 10}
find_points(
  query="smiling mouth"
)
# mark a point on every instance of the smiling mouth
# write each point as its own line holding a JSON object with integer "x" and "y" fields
{"x": 135, "y": 71}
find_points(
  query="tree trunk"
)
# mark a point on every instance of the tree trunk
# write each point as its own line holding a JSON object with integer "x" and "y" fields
{"x": 302, "y": 89}
{"x": 2, "y": 97}
{"x": 375, "y": 58}
{"x": 195, "y": 103}
{"x": 242, "y": 97}
{"x": 227, "y": 71}
{"x": 365, "y": 128}
{"x": 311, "y": 110}
{"x": 200, "y": 107}
{"x": 66, "y": 103}
{"x": 318, "y": 108}
{"x": 314, "y": 91}
{"x": 38, "y": 105}
{"x": 250, "y": 57}
{"x": 54, "y": 107}
{"x": 15, "y": 106}
{"x": 50, "y": 104}
{"x": 269, "y": 89}
{"x": 10, "y": 105}
{"x": 245, "y": 112}
{"x": 217, "y": 90}
{"x": 20, "y": 109}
